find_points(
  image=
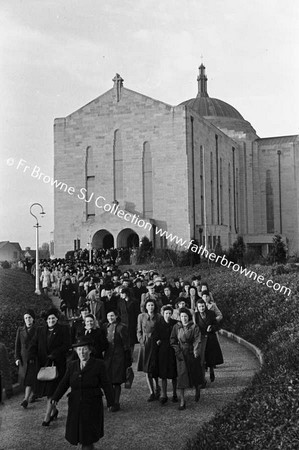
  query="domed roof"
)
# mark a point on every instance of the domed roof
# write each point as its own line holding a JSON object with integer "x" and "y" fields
{"x": 210, "y": 107}
{"x": 207, "y": 107}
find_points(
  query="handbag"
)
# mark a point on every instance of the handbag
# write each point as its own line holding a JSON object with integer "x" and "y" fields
{"x": 129, "y": 378}
{"x": 48, "y": 373}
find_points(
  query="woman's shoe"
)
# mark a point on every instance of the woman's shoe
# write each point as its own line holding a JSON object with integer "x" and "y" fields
{"x": 182, "y": 407}
{"x": 33, "y": 399}
{"x": 46, "y": 423}
{"x": 54, "y": 416}
{"x": 115, "y": 407}
{"x": 24, "y": 403}
{"x": 174, "y": 399}
{"x": 151, "y": 398}
{"x": 212, "y": 377}
{"x": 163, "y": 400}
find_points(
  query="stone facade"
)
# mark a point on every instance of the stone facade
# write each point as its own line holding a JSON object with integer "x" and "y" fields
{"x": 127, "y": 165}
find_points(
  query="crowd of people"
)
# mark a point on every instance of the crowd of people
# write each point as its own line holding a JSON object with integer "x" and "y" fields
{"x": 103, "y": 314}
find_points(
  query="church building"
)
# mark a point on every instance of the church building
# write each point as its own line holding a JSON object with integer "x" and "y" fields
{"x": 128, "y": 166}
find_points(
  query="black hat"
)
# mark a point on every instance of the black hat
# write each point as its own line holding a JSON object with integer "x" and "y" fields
{"x": 30, "y": 312}
{"x": 84, "y": 306}
{"x": 52, "y": 311}
{"x": 82, "y": 341}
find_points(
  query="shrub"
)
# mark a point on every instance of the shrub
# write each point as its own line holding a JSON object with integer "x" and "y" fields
{"x": 279, "y": 252}
{"x": 144, "y": 251}
{"x": 5, "y": 265}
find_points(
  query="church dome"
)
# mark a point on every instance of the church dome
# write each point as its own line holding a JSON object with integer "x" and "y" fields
{"x": 210, "y": 107}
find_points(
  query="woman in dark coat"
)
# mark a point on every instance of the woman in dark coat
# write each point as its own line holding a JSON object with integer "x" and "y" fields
{"x": 129, "y": 311}
{"x": 27, "y": 372}
{"x": 118, "y": 356}
{"x": 69, "y": 298}
{"x": 86, "y": 377}
{"x": 185, "y": 339}
{"x": 166, "y": 355}
{"x": 50, "y": 345}
{"x": 147, "y": 358}
{"x": 211, "y": 354}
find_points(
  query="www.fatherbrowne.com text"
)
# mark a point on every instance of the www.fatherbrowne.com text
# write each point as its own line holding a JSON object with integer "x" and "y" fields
{"x": 113, "y": 208}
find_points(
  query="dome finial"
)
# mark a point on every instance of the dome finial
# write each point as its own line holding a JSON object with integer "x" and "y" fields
{"x": 202, "y": 82}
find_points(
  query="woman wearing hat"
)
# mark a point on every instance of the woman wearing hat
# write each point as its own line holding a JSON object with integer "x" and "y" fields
{"x": 86, "y": 377}
{"x": 27, "y": 372}
{"x": 185, "y": 339}
{"x": 50, "y": 346}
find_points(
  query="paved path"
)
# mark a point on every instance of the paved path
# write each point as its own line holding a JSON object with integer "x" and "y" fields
{"x": 139, "y": 425}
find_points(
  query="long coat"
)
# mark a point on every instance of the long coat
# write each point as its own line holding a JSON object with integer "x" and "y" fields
{"x": 45, "y": 353}
{"x": 186, "y": 344}
{"x": 211, "y": 350}
{"x": 117, "y": 355}
{"x": 129, "y": 311}
{"x": 166, "y": 355}
{"x": 85, "y": 419}
{"x": 146, "y": 330}
{"x": 27, "y": 372}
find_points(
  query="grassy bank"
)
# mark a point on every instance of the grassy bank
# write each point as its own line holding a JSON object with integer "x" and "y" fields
{"x": 16, "y": 295}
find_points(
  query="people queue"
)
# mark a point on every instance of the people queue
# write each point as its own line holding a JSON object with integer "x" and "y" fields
{"x": 106, "y": 313}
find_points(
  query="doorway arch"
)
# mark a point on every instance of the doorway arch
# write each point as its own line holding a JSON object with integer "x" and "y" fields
{"x": 103, "y": 239}
{"x": 127, "y": 238}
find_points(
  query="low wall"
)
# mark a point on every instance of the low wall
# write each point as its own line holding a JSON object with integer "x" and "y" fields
{"x": 255, "y": 350}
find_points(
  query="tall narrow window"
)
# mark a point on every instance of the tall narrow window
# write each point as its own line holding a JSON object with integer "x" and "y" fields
{"x": 202, "y": 209}
{"x": 269, "y": 202}
{"x": 212, "y": 189}
{"x": 229, "y": 199}
{"x": 118, "y": 166}
{"x": 147, "y": 181}
{"x": 90, "y": 183}
{"x": 217, "y": 179}
{"x": 237, "y": 200}
{"x": 221, "y": 193}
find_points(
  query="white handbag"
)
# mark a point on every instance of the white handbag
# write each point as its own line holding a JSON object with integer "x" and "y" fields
{"x": 48, "y": 373}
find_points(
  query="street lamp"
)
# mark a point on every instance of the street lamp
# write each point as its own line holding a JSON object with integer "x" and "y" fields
{"x": 89, "y": 246}
{"x": 37, "y": 226}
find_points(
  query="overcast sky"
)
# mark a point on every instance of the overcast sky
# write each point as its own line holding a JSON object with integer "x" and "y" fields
{"x": 58, "y": 55}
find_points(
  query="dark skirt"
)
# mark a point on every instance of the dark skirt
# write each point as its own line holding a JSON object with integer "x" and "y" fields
{"x": 213, "y": 353}
{"x": 166, "y": 361}
{"x": 189, "y": 370}
{"x": 147, "y": 358}
{"x": 47, "y": 388}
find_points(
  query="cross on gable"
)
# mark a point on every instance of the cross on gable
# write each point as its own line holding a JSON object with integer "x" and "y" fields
{"x": 118, "y": 84}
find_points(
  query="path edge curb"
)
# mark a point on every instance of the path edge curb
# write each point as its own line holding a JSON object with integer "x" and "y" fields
{"x": 253, "y": 348}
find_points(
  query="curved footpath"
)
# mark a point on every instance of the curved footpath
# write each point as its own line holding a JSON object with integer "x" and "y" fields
{"x": 138, "y": 424}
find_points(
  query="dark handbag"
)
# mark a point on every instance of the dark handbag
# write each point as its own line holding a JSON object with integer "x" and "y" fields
{"x": 129, "y": 378}
{"x": 48, "y": 373}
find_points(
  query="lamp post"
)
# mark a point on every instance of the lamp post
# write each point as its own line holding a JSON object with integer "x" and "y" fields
{"x": 89, "y": 249}
{"x": 37, "y": 226}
